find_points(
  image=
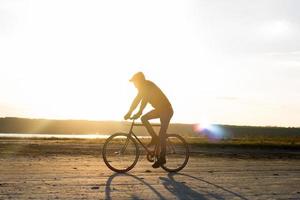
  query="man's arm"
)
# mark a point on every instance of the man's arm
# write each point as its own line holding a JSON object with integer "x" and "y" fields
{"x": 140, "y": 112}
{"x": 134, "y": 104}
{"x": 143, "y": 105}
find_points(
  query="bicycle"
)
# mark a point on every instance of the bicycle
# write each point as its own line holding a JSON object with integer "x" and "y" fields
{"x": 121, "y": 151}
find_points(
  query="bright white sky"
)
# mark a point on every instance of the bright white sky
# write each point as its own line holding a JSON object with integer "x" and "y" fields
{"x": 229, "y": 62}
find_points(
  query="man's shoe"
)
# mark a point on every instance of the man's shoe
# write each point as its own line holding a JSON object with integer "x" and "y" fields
{"x": 159, "y": 163}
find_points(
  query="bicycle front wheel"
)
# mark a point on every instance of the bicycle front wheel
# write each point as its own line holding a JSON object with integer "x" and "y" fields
{"x": 177, "y": 153}
{"x": 120, "y": 152}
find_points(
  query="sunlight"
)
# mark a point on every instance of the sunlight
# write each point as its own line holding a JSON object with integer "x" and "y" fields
{"x": 71, "y": 66}
{"x": 203, "y": 125}
{"x": 83, "y": 94}
{"x": 209, "y": 130}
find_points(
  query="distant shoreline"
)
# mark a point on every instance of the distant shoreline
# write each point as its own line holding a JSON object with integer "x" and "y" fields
{"x": 47, "y": 126}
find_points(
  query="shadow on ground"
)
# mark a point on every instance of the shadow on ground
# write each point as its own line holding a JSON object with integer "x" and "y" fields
{"x": 175, "y": 186}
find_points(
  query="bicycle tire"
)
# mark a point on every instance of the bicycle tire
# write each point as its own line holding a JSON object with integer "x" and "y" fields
{"x": 186, "y": 154}
{"x": 105, "y": 156}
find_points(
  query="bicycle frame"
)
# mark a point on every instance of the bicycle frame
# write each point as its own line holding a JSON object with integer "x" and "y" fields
{"x": 135, "y": 137}
{"x": 131, "y": 133}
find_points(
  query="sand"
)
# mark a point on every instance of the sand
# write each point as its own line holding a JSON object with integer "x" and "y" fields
{"x": 74, "y": 169}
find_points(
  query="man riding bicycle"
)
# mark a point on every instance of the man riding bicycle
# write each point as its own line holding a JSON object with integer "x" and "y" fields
{"x": 148, "y": 92}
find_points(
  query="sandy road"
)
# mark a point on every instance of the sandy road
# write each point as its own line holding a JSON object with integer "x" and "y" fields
{"x": 35, "y": 170}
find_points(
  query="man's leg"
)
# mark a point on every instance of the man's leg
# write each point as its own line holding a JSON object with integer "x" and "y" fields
{"x": 165, "y": 121}
{"x": 145, "y": 119}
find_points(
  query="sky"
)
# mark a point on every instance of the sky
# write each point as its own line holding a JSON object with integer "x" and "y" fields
{"x": 226, "y": 62}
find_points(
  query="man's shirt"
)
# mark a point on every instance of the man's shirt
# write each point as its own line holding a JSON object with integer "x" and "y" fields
{"x": 152, "y": 94}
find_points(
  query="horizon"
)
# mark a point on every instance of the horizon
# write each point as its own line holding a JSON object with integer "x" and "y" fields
{"x": 233, "y": 62}
{"x": 152, "y": 122}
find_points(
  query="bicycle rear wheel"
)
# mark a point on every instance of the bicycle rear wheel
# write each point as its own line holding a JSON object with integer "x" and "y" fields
{"x": 120, "y": 152}
{"x": 177, "y": 153}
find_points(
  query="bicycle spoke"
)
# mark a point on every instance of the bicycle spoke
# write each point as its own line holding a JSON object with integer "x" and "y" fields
{"x": 171, "y": 147}
{"x": 120, "y": 153}
{"x": 177, "y": 153}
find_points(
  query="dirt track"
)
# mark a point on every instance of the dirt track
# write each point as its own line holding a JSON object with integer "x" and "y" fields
{"x": 49, "y": 170}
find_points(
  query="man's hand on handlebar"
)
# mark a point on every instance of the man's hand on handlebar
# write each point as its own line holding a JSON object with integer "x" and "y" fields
{"x": 136, "y": 116}
{"x": 127, "y": 116}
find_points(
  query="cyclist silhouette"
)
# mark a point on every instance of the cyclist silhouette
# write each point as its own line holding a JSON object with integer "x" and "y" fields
{"x": 148, "y": 92}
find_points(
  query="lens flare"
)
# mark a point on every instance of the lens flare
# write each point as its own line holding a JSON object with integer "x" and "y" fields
{"x": 202, "y": 126}
{"x": 211, "y": 131}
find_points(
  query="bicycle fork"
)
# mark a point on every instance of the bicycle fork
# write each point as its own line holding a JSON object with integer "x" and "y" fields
{"x": 122, "y": 150}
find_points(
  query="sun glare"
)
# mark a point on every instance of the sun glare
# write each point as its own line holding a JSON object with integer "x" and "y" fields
{"x": 76, "y": 66}
{"x": 210, "y": 131}
{"x": 203, "y": 125}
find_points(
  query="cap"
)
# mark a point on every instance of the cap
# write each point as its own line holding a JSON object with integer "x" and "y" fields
{"x": 138, "y": 76}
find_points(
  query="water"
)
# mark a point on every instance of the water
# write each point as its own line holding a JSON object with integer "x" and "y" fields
{"x": 59, "y": 136}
